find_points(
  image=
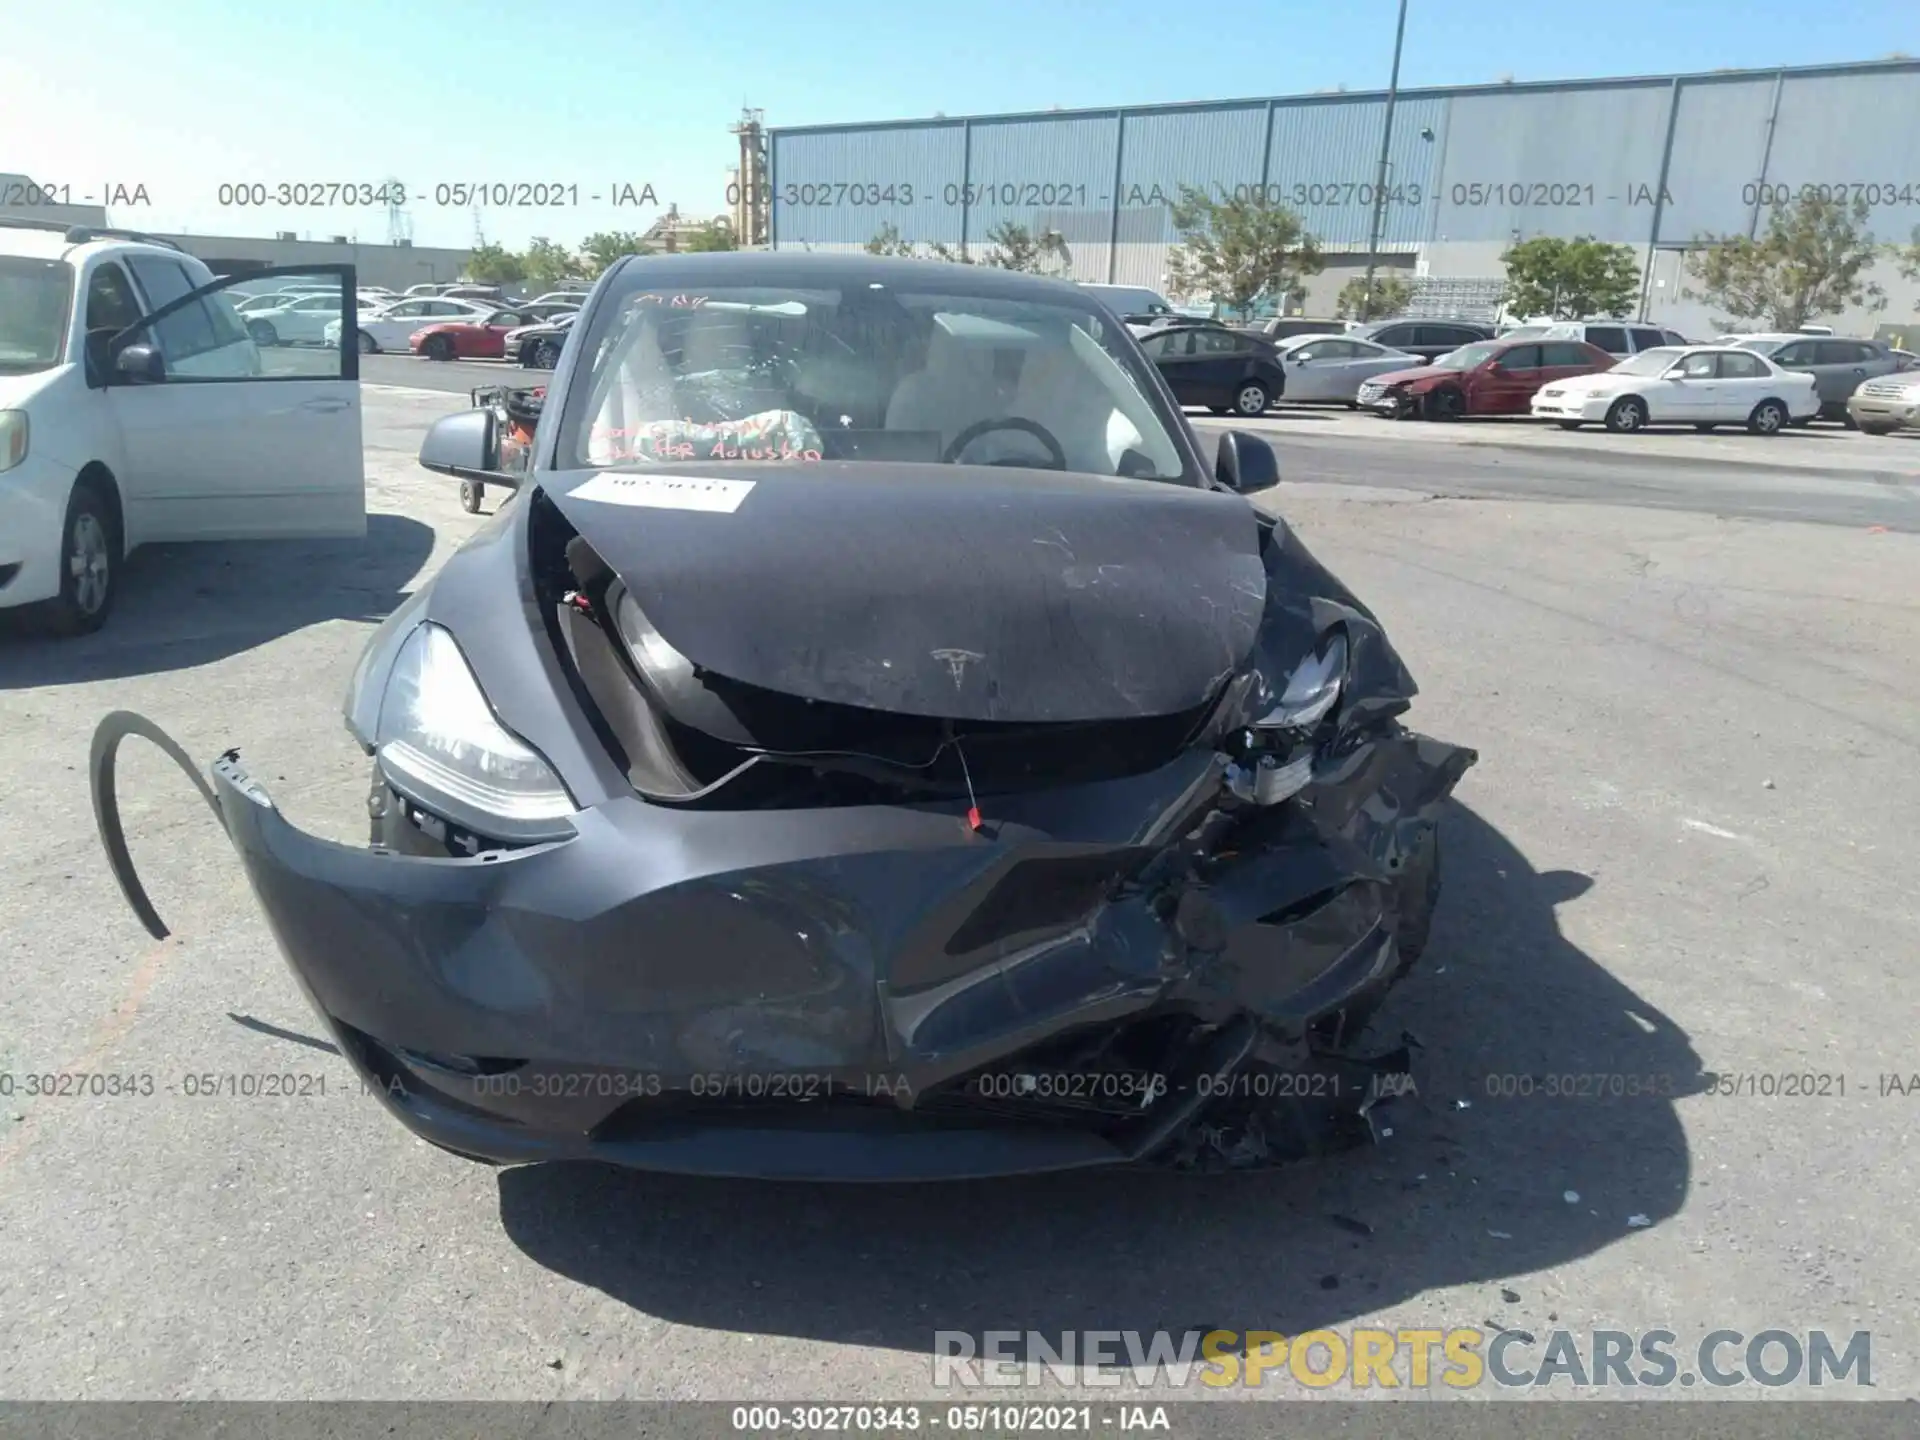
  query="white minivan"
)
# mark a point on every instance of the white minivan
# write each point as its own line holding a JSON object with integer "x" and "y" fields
{"x": 135, "y": 407}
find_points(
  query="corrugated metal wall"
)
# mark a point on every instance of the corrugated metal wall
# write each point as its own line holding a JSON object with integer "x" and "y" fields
{"x": 1475, "y": 167}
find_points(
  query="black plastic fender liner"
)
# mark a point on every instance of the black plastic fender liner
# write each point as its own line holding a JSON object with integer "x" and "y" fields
{"x": 114, "y": 728}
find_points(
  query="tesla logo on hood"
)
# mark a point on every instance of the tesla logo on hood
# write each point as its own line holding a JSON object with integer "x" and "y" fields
{"x": 661, "y": 492}
{"x": 957, "y": 662}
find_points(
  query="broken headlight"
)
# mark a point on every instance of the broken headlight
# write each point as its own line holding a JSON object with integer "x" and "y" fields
{"x": 1278, "y": 758}
{"x": 1312, "y": 690}
{"x": 438, "y": 742}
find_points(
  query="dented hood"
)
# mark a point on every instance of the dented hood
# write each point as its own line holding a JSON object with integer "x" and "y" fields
{"x": 971, "y": 593}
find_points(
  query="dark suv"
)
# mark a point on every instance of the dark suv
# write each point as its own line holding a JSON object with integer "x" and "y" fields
{"x": 1429, "y": 339}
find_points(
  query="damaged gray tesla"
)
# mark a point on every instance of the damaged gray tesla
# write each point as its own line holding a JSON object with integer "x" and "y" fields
{"x": 871, "y": 743}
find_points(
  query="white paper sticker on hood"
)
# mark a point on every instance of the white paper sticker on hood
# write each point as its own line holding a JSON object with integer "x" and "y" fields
{"x": 666, "y": 492}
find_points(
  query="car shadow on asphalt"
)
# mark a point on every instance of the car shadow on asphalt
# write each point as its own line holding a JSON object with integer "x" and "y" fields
{"x": 190, "y": 604}
{"x": 1473, "y": 1195}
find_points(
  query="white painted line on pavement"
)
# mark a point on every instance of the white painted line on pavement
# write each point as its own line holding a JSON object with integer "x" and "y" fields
{"x": 410, "y": 390}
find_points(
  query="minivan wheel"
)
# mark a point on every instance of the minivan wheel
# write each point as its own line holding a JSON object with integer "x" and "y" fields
{"x": 1251, "y": 399}
{"x": 1628, "y": 415}
{"x": 1769, "y": 418}
{"x": 89, "y": 557}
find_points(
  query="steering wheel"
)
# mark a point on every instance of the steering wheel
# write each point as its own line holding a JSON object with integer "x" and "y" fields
{"x": 1055, "y": 452}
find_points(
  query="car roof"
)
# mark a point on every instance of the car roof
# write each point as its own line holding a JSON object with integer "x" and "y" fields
{"x": 49, "y": 243}
{"x": 783, "y": 269}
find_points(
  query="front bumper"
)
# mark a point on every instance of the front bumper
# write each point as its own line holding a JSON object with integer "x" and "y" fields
{"x": 1570, "y": 407}
{"x": 33, "y": 515}
{"x": 870, "y": 993}
{"x": 1901, "y": 412}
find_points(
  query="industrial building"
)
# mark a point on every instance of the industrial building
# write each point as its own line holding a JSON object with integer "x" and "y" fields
{"x": 1655, "y": 162}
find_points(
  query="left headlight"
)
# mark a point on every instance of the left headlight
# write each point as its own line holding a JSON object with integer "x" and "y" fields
{"x": 13, "y": 438}
{"x": 1312, "y": 690}
{"x": 438, "y": 741}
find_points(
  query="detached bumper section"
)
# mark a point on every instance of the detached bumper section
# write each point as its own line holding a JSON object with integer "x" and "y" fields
{"x": 1131, "y": 971}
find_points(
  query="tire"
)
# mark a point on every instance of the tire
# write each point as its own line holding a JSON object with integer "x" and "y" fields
{"x": 367, "y": 347}
{"x": 1446, "y": 404}
{"x": 438, "y": 347}
{"x": 263, "y": 332}
{"x": 1703, "y": 426}
{"x": 546, "y": 355}
{"x": 1568, "y": 424}
{"x": 89, "y": 545}
{"x": 1866, "y": 429}
{"x": 1769, "y": 417}
{"x": 1251, "y": 399}
{"x": 1627, "y": 416}
{"x": 470, "y": 493}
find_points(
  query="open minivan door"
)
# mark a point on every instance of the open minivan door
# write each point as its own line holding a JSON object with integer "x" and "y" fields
{"x": 229, "y": 438}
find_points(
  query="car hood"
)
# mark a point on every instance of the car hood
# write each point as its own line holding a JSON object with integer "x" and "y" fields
{"x": 1601, "y": 382}
{"x": 966, "y": 593}
{"x": 1413, "y": 374}
{"x": 17, "y": 390}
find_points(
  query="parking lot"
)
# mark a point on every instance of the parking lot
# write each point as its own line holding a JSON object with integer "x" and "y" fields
{"x": 1691, "y": 666}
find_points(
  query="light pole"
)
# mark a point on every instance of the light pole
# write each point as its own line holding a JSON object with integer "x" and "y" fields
{"x": 1386, "y": 145}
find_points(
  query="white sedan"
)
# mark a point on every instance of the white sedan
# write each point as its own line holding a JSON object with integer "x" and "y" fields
{"x": 1701, "y": 385}
{"x": 390, "y": 328}
{"x": 1332, "y": 367}
{"x": 295, "y": 320}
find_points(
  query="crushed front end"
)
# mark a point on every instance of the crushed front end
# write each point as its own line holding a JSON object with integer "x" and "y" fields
{"x": 890, "y": 945}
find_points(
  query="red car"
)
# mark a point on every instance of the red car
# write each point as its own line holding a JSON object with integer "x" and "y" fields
{"x": 467, "y": 339}
{"x": 1488, "y": 377}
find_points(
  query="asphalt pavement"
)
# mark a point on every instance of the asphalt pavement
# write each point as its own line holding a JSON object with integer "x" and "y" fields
{"x": 1684, "y": 861}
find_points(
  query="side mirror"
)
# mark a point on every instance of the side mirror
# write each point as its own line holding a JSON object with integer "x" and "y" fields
{"x": 139, "y": 365}
{"x": 1675, "y": 374}
{"x": 1245, "y": 463}
{"x": 1494, "y": 367}
{"x": 466, "y": 445}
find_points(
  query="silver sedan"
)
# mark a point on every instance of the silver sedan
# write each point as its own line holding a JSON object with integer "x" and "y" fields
{"x": 1332, "y": 367}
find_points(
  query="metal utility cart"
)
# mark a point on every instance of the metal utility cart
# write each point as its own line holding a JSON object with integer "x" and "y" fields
{"x": 516, "y": 414}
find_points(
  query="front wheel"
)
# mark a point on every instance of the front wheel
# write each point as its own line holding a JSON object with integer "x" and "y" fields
{"x": 1628, "y": 416}
{"x": 1446, "y": 404}
{"x": 263, "y": 332}
{"x": 547, "y": 357}
{"x": 439, "y": 347}
{"x": 1251, "y": 399}
{"x": 1866, "y": 429}
{"x": 367, "y": 347}
{"x": 1769, "y": 418}
{"x": 89, "y": 559}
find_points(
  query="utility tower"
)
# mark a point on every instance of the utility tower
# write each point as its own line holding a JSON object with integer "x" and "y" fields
{"x": 399, "y": 223}
{"x": 479, "y": 229}
{"x": 750, "y": 202}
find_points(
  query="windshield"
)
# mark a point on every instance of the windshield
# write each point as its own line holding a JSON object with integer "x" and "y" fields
{"x": 1649, "y": 362}
{"x": 1468, "y": 356}
{"x": 873, "y": 373}
{"x": 35, "y": 296}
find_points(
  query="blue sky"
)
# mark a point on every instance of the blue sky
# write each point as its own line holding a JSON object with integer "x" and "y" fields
{"x": 182, "y": 95}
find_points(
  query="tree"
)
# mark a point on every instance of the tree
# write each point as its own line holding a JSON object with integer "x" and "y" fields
{"x": 548, "y": 263}
{"x": 1392, "y": 294}
{"x": 1570, "y": 279}
{"x": 495, "y": 265}
{"x": 1015, "y": 247}
{"x": 887, "y": 241}
{"x": 714, "y": 235}
{"x": 1812, "y": 261}
{"x": 1240, "y": 249}
{"x": 603, "y": 247}
{"x": 1908, "y": 257}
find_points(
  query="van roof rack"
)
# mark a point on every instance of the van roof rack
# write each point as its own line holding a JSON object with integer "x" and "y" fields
{"x": 80, "y": 234}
